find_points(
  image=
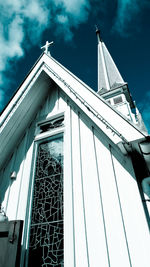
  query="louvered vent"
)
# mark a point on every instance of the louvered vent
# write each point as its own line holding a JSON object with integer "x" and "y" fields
{"x": 118, "y": 100}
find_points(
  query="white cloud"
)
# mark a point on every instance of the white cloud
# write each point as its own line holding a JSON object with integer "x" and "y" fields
{"x": 63, "y": 26}
{"x": 78, "y": 9}
{"x": 127, "y": 15}
{"x": 23, "y": 20}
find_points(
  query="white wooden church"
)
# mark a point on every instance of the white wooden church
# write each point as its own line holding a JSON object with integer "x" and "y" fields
{"x": 75, "y": 170}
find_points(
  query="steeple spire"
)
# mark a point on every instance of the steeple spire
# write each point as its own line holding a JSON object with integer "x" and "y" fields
{"x": 108, "y": 75}
{"x": 112, "y": 87}
{"x": 103, "y": 79}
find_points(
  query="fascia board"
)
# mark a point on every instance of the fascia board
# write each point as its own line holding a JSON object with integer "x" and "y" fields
{"x": 87, "y": 94}
{"x": 21, "y": 89}
{"x": 66, "y": 79}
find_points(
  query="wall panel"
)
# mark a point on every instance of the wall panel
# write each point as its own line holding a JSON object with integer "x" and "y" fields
{"x": 101, "y": 199}
{"x": 133, "y": 213}
{"x": 26, "y": 174}
{"x": 6, "y": 182}
{"x": 81, "y": 244}
{"x": 69, "y": 245}
{"x": 15, "y": 186}
{"x": 117, "y": 246}
{"x": 93, "y": 209}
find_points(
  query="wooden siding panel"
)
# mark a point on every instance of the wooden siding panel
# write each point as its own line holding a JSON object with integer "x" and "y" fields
{"x": 117, "y": 247}
{"x": 93, "y": 212}
{"x": 11, "y": 138}
{"x": 26, "y": 172}
{"x": 81, "y": 247}
{"x": 15, "y": 187}
{"x": 135, "y": 222}
{"x": 53, "y": 102}
{"x": 69, "y": 246}
{"x": 6, "y": 182}
{"x": 95, "y": 232}
{"x": 62, "y": 101}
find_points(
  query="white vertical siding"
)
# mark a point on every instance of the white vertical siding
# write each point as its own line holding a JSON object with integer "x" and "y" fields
{"x": 61, "y": 101}
{"x": 16, "y": 190}
{"x": 15, "y": 187}
{"x": 24, "y": 187}
{"x": 134, "y": 217}
{"x": 117, "y": 246}
{"x": 69, "y": 246}
{"x": 80, "y": 229}
{"x": 93, "y": 213}
{"x": 6, "y": 182}
{"x": 101, "y": 200}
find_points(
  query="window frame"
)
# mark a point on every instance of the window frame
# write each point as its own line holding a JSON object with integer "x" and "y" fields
{"x": 39, "y": 138}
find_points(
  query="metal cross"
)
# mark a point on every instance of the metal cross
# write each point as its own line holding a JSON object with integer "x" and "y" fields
{"x": 46, "y": 46}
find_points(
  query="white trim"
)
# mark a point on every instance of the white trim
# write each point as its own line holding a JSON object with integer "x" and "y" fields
{"x": 30, "y": 197}
{"x": 38, "y": 138}
{"x": 49, "y": 133}
{"x": 31, "y": 186}
{"x": 53, "y": 116}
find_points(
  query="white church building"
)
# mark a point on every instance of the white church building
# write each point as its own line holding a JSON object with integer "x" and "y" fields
{"x": 74, "y": 171}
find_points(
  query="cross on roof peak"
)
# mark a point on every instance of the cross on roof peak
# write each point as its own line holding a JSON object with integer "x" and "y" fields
{"x": 46, "y": 46}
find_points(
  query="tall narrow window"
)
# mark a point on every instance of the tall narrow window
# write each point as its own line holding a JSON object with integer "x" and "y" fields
{"x": 46, "y": 230}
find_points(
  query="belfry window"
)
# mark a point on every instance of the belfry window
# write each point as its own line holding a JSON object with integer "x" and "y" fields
{"x": 117, "y": 99}
{"x": 46, "y": 228}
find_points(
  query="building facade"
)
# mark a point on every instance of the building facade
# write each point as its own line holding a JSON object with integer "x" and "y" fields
{"x": 75, "y": 168}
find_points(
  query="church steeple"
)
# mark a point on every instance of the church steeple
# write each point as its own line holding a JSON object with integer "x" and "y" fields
{"x": 111, "y": 85}
{"x": 109, "y": 76}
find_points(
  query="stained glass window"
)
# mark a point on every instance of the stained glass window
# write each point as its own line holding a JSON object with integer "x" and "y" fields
{"x": 46, "y": 230}
{"x": 52, "y": 124}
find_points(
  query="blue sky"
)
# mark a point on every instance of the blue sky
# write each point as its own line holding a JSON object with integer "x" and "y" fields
{"x": 25, "y": 25}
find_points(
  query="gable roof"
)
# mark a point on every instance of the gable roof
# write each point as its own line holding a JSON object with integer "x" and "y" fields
{"x": 32, "y": 92}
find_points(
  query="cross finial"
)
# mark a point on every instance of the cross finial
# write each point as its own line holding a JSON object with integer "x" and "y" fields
{"x": 46, "y": 46}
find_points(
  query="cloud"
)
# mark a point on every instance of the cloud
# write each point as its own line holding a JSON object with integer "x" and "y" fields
{"x": 23, "y": 22}
{"x": 70, "y": 15}
{"x": 127, "y": 15}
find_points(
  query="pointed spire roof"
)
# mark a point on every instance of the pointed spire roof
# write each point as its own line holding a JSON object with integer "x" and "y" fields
{"x": 109, "y": 76}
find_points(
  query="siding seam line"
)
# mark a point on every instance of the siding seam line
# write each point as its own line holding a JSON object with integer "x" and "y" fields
{"x": 87, "y": 250}
{"x": 22, "y": 171}
{"x": 72, "y": 185}
{"x": 11, "y": 181}
{"x": 122, "y": 218}
{"x": 101, "y": 199}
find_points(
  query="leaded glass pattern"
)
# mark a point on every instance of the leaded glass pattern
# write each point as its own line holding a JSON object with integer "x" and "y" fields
{"x": 46, "y": 231}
